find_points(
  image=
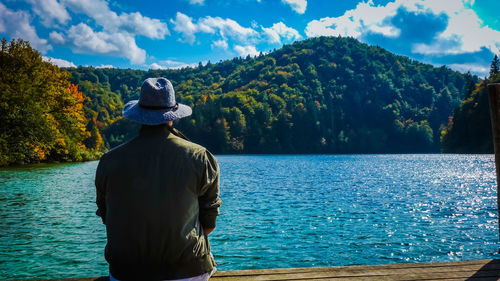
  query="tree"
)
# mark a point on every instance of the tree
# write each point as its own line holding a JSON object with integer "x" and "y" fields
{"x": 469, "y": 130}
{"x": 469, "y": 85}
{"x": 320, "y": 95}
{"x": 41, "y": 112}
{"x": 495, "y": 66}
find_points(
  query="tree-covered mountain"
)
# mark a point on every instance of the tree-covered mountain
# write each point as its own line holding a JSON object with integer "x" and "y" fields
{"x": 469, "y": 129}
{"x": 321, "y": 95}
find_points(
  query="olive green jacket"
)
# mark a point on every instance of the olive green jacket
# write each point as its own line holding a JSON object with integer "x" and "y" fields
{"x": 155, "y": 194}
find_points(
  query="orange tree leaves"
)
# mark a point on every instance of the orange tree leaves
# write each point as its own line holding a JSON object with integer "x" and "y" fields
{"x": 41, "y": 113}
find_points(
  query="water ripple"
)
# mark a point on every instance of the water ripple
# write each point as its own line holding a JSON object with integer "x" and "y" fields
{"x": 278, "y": 211}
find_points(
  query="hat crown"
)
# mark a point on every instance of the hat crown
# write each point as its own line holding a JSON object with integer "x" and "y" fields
{"x": 156, "y": 104}
{"x": 157, "y": 92}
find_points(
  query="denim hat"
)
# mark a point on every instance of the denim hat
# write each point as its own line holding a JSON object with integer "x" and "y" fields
{"x": 156, "y": 104}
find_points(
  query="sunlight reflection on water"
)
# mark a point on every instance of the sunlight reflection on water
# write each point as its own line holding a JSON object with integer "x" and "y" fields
{"x": 278, "y": 211}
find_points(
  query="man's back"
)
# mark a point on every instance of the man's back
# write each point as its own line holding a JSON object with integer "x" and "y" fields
{"x": 156, "y": 194}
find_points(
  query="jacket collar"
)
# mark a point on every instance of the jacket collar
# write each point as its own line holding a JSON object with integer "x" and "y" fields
{"x": 163, "y": 130}
{"x": 148, "y": 130}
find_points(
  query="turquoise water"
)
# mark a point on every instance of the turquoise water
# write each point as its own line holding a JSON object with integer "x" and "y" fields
{"x": 278, "y": 211}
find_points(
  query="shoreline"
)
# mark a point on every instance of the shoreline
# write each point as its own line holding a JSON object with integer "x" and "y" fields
{"x": 57, "y": 163}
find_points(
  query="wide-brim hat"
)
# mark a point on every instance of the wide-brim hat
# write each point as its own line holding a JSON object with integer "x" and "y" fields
{"x": 156, "y": 104}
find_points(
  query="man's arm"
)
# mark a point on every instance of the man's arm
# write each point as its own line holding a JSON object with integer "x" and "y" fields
{"x": 100, "y": 190}
{"x": 209, "y": 201}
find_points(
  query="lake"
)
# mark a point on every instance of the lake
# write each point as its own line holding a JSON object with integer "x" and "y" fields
{"x": 278, "y": 211}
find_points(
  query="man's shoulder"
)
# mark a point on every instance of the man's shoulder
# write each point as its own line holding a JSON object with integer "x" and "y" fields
{"x": 119, "y": 149}
{"x": 190, "y": 149}
{"x": 187, "y": 145}
{"x": 177, "y": 144}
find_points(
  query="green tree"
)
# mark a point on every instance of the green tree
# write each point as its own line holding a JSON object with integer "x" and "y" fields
{"x": 495, "y": 66}
{"x": 320, "y": 95}
{"x": 469, "y": 129}
{"x": 41, "y": 112}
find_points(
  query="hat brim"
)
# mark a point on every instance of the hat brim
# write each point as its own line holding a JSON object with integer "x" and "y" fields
{"x": 134, "y": 112}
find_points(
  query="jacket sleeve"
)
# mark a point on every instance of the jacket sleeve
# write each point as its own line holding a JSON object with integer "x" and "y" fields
{"x": 209, "y": 201}
{"x": 100, "y": 184}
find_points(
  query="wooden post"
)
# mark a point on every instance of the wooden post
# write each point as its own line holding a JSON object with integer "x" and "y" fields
{"x": 494, "y": 97}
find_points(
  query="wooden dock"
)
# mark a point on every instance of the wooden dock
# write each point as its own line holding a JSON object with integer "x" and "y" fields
{"x": 448, "y": 271}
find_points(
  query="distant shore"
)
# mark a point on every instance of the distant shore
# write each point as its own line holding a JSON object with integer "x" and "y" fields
{"x": 55, "y": 163}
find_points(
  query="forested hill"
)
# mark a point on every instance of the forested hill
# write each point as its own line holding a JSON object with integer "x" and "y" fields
{"x": 469, "y": 131}
{"x": 321, "y": 95}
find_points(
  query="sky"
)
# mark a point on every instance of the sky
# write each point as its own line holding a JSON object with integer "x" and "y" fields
{"x": 158, "y": 34}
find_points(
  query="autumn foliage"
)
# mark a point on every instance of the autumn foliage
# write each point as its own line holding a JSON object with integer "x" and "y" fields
{"x": 41, "y": 112}
{"x": 320, "y": 95}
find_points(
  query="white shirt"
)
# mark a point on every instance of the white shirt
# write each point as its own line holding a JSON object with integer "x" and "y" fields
{"x": 203, "y": 277}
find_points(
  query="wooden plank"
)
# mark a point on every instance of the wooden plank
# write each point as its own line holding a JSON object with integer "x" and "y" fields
{"x": 441, "y": 276}
{"x": 427, "y": 266}
{"x": 380, "y": 274}
{"x": 367, "y": 272}
{"x": 409, "y": 279}
{"x": 466, "y": 270}
{"x": 392, "y": 275}
{"x": 489, "y": 269}
{"x": 461, "y": 279}
{"x": 320, "y": 279}
{"x": 387, "y": 278}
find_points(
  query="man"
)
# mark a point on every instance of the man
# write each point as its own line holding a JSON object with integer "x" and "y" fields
{"x": 158, "y": 195}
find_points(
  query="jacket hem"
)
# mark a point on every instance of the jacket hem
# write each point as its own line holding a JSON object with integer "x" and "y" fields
{"x": 123, "y": 272}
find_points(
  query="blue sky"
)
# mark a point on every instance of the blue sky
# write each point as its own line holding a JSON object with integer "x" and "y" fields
{"x": 463, "y": 34}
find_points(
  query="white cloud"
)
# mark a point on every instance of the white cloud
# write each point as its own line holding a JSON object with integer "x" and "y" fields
{"x": 473, "y": 68}
{"x": 228, "y": 31}
{"x": 84, "y": 40}
{"x": 299, "y": 6}
{"x": 254, "y": 24}
{"x": 171, "y": 64}
{"x": 363, "y": 19}
{"x": 133, "y": 23}
{"x": 464, "y": 31}
{"x": 184, "y": 24}
{"x": 280, "y": 31}
{"x": 117, "y": 32}
{"x": 141, "y": 25}
{"x": 244, "y": 51}
{"x": 116, "y": 35}
{"x": 225, "y": 28}
{"x": 220, "y": 44}
{"x": 17, "y": 25}
{"x": 470, "y": 2}
{"x": 56, "y": 38}
{"x": 50, "y": 11}
{"x": 105, "y": 66}
{"x": 156, "y": 66}
{"x": 59, "y": 62}
{"x": 199, "y": 2}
